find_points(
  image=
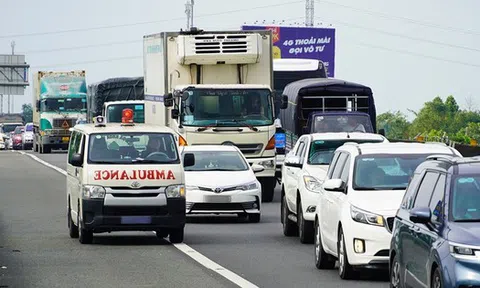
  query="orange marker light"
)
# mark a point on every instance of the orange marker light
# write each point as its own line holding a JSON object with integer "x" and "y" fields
{"x": 271, "y": 144}
{"x": 182, "y": 141}
{"x": 127, "y": 115}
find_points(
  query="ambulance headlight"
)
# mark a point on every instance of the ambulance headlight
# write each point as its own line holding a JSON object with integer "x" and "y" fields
{"x": 93, "y": 192}
{"x": 175, "y": 191}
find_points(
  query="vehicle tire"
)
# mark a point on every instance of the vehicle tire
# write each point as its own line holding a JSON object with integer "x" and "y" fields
{"x": 345, "y": 270}
{"x": 161, "y": 234}
{"x": 289, "y": 227}
{"x": 305, "y": 228}
{"x": 268, "y": 189}
{"x": 72, "y": 228}
{"x": 254, "y": 217}
{"x": 437, "y": 281}
{"x": 47, "y": 149}
{"x": 395, "y": 278}
{"x": 322, "y": 259}
{"x": 176, "y": 235}
{"x": 84, "y": 236}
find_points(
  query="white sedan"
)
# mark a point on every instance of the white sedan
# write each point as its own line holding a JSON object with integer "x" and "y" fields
{"x": 222, "y": 182}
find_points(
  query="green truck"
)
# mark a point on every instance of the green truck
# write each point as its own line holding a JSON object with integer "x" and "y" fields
{"x": 60, "y": 100}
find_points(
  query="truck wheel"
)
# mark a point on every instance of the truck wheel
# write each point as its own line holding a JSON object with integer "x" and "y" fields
{"x": 176, "y": 235}
{"x": 268, "y": 188}
{"x": 47, "y": 149}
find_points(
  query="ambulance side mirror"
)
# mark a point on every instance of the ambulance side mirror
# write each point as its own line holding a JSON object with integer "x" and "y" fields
{"x": 77, "y": 160}
{"x": 188, "y": 160}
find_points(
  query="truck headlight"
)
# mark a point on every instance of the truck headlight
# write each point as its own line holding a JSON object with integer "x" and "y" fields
{"x": 93, "y": 192}
{"x": 248, "y": 186}
{"x": 175, "y": 191}
{"x": 365, "y": 217}
{"x": 267, "y": 164}
{"x": 312, "y": 184}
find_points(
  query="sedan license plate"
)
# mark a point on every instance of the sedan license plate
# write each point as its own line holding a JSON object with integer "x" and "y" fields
{"x": 65, "y": 139}
{"x": 136, "y": 220}
{"x": 217, "y": 199}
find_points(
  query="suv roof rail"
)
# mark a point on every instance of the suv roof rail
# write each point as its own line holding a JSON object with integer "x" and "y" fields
{"x": 351, "y": 143}
{"x": 437, "y": 143}
{"x": 445, "y": 158}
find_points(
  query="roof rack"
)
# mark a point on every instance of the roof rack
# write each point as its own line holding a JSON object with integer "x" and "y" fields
{"x": 445, "y": 158}
{"x": 437, "y": 143}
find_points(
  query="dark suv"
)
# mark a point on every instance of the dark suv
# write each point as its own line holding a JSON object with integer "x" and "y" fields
{"x": 436, "y": 234}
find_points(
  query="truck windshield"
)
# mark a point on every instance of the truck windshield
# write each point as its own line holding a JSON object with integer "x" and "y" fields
{"x": 321, "y": 151}
{"x": 228, "y": 107}
{"x": 342, "y": 123}
{"x": 114, "y": 112}
{"x": 132, "y": 148}
{"x": 63, "y": 105}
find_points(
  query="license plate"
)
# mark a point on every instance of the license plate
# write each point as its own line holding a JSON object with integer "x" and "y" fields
{"x": 65, "y": 139}
{"x": 217, "y": 198}
{"x": 136, "y": 220}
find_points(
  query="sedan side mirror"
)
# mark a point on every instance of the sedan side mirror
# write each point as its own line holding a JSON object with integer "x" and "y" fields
{"x": 421, "y": 215}
{"x": 188, "y": 160}
{"x": 257, "y": 168}
{"x": 77, "y": 160}
{"x": 334, "y": 185}
{"x": 293, "y": 161}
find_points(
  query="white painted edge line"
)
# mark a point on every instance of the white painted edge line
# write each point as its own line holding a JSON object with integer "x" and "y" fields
{"x": 184, "y": 248}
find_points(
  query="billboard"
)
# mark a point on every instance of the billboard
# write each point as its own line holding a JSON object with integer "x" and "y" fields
{"x": 302, "y": 42}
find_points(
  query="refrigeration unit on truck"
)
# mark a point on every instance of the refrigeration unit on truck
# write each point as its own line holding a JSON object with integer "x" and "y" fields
{"x": 60, "y": 100}
{"x": 109, "y": 97}
{"x": 215, "y": 87}
{"x": 327, "y": 105}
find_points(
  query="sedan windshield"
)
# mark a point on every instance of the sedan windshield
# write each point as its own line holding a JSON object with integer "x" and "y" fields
{"x": 465, "y": 198}
{"x": 135, "y": 148}
{"x": 218, "y": 161}
{"x": 321, "y": 151}
{"x": 385, "y": 171}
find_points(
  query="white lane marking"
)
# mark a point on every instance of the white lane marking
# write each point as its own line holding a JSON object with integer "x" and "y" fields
{"x": 184, "y": 248}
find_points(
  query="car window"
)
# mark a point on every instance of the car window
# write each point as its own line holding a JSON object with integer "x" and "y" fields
{"x": 332, "y": 165}
{"x": 425, "y": 190}
{"x": 337, "y": 172}
{"x": 299, "y": 150}
{"x": 74, "y": 145}
{"x": 346, "y": 170}
{"x": 407, "y": 202}
{"x": 436, "y": 203}
{"x": 465, "y": 200}
{"x": 305, "y": 149}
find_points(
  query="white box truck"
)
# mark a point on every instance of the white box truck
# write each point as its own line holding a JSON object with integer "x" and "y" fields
{"x": 215, "y": 87}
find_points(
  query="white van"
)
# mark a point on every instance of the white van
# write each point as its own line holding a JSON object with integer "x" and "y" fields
{"x": 125, "y": 177}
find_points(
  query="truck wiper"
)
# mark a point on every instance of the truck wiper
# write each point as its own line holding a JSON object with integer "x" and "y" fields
{"x": 245, "y": 124}
{"x": 201, "y": 129}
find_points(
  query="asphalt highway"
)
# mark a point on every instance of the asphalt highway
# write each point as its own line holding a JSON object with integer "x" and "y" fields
{"x": 36, "y": 251}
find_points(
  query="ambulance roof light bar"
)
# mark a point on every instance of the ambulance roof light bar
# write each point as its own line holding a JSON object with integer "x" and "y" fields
{"x": 99, "y": 121}
{"x": 127, "y": 117}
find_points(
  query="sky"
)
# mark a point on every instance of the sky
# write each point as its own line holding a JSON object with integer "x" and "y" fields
{"x": 407, "y": 51}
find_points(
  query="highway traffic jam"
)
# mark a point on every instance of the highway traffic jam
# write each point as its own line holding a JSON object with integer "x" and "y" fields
{"x": 209, "y": 137}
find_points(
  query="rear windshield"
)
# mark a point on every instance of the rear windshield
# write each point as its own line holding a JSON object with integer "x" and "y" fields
{"x": 114, "y": 114}
{"x": 342, "y": 123}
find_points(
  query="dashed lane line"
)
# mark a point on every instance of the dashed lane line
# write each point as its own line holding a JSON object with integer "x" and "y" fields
{"x": 184, "y": 248}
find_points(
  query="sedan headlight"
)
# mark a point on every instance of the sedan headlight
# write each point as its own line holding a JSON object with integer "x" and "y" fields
{"x": 267, "y": 164}
{"x": 459, "y": 250}
{"x": 93, "y": 192}
{"x": 175, "y": 191}
{"x": 365, "y": 217}
{"x": 312, "y": 184}
{"x": 248, "y": 186}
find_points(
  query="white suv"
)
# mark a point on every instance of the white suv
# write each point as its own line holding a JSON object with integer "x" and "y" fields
{"x": 358, "y": 201}
{"x": 302, "y": 173}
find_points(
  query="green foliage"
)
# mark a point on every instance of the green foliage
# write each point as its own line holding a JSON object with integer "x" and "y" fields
{"x": 395, "y": 124}
{"x": 27, "y": 113}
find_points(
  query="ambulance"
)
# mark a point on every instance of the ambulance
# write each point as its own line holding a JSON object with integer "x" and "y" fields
{"x": 125, "y": 177}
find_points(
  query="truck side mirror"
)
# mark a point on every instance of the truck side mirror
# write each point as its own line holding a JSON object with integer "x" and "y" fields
{"x": 168, "y": 100}
{"x": 381, "y": 132}
{"x": 185, "y": 95}
{"x": 284, "y": 104}
{"x": 175, "y": 113}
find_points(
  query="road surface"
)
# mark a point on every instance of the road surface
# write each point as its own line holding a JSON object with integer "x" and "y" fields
{"x": 36, "y": 251}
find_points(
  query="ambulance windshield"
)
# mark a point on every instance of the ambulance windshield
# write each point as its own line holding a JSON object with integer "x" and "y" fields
{"x": 132, "y": 148}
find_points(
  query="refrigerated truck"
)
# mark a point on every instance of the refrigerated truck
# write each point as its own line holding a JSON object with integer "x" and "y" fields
{"x": 202, "y": 84}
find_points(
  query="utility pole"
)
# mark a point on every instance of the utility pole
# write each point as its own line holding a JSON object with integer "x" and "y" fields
{"x": 189, "y": 12}
{"x": 11, "y": 77}
{"x": 309, "y": 12}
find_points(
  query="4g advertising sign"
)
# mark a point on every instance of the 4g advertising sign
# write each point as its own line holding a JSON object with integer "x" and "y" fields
{"x": 303, "y": 42}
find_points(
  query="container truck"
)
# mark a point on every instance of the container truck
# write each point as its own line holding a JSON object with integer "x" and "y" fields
{"x": 215, "y": 87}
{"x": 111, "y": 96}
{"x": 60, "y": 100}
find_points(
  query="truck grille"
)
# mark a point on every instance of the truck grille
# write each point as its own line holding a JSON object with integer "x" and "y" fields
{"x": 250, "y": 148}
{"x": 389, "y": 225}
{"x": 58, "y": 123}
{"x": 216, "y": 44}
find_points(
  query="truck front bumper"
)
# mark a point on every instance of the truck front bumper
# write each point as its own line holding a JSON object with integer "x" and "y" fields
{"x": 99, "y": 218}
{"x": 268, "y": 164}
{"x": 55, "y": 141}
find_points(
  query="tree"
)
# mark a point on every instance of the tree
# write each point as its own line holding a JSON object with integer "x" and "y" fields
{"x": 27, "y": 113}
{"x": 395, "y": 124}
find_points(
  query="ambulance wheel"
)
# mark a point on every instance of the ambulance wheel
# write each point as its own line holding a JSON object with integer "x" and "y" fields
{"x": 72, "y": 228}
{"x": 176, "y": 236}
{"x": 84, "y": 236}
